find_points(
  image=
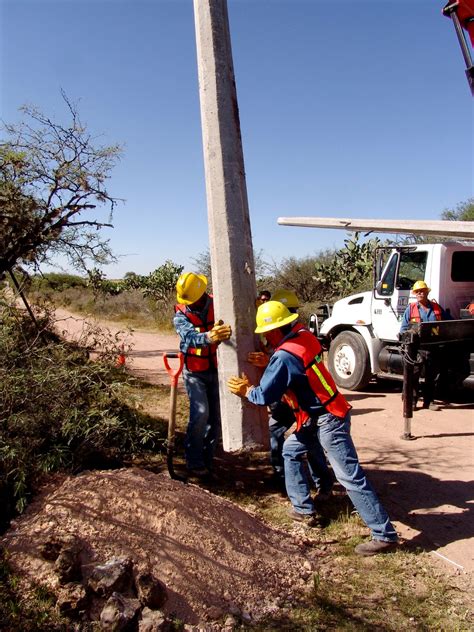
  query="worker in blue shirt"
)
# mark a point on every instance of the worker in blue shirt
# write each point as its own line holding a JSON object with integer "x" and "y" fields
{"x": 428, "y": 361}
{"x": 282, "y": 418}
{"x": 423, "y": 310}
{"x": 296, "y": 371}
{"x": 199, "y": 336}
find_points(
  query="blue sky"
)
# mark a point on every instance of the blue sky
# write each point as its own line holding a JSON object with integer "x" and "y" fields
{"x": 352, "y": 109}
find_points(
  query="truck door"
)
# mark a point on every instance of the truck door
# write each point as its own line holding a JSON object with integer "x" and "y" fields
{"x": 392, "y": 290}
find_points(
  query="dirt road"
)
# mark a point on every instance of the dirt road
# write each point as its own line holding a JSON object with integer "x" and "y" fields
{"x": 426, "y": 484}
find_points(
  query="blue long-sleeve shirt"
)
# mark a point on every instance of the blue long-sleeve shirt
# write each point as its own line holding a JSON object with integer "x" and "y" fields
{"x": 186, "y": 331}
{"x": 426, "y": 315}
{"x": 283, "y": 372}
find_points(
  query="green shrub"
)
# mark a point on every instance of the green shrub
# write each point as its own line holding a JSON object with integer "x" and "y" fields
{"x": 57, "y": 282}
{"x": 58, "y": 410}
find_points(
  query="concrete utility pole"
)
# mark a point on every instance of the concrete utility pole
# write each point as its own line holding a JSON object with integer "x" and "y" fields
{"x": 230, "y": 239}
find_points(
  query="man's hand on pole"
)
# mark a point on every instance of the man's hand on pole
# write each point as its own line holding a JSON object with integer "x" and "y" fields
{"x": 239, "y": 385}
{"x": 219, "y": 332}
{"x": 258, "y": 359}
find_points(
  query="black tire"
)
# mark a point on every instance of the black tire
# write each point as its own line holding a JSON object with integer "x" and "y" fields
{"x": 349, "y": 362}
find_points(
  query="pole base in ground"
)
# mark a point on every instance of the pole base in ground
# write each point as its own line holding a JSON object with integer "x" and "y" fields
{"x": 407, "y": 436}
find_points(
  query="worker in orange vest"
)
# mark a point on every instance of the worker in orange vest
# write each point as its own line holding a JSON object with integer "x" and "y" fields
{"x": 282, "y": 418}
{"x": 429, "y": 361}
{"x": 296, "y": 371}
{"x": 199, "y": 336}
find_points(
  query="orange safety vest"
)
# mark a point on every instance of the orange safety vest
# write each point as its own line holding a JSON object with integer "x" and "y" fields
{"x": 199, "y": 358}
{"x": 306, "y": 347}
{"x": 415, "y": 312}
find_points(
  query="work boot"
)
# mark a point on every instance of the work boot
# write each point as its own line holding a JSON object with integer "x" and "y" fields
{"x": 310, "y": 520}
{"x": 375, "y": 546}
{"x": 432, "y": 406}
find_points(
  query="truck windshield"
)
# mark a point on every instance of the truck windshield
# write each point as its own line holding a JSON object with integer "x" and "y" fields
{"x": 412, "y": 268}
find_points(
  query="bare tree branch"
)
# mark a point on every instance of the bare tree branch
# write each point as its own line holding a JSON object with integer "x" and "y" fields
{"x": 51, "y": 174}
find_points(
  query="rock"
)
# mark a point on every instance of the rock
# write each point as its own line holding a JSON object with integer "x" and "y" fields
{"x": 68, "y": 564}
{"x": 214, "y": 612}
{"x": 72, "y": 599}
{"x": 230, "y": 623}
{"x": 152, "y": 621}
{"x": 113, "y": 576}
{"x": 50, "y": 549}
{"x": 118, "y": 612}
{"x": 150, "y": 590}
{"x": 246, "y": 616}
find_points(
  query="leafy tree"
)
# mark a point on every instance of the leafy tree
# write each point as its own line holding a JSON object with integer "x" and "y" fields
{"x": 299, "y": 275}
{"x": 51, "y": 176}
{"x": 350, "y": 270}
{"x": 464, "y": 212}
{"x": 100, "y": 285}
{"x": 130, "y": 275}
{"x": 161, "y": 283}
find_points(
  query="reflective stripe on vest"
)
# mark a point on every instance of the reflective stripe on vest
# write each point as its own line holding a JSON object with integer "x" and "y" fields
{"x": 199, "y": 358}
{"x": 415, "y": 316}
{"x": 303, "y": 345}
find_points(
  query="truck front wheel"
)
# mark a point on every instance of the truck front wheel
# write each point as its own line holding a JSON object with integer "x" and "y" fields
{"x": 348, "y": 361}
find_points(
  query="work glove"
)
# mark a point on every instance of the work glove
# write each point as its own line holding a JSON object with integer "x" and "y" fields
{"x": 258, "y": 358}
{"x": 239, "y": 385}
{"x": 219, "y": 332}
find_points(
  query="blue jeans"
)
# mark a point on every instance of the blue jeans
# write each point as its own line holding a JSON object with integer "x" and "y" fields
{"x": 334, "y": 436}
{"x": 282, "y": 418}
{"x": 204, "y": 423}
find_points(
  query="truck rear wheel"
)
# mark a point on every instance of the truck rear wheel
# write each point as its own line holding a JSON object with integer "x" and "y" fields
{"x": 348, "y": 361}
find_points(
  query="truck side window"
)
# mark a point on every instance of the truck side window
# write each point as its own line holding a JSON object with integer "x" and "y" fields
{"x": 462, "y": 267}
{"x": 412, "y": 268}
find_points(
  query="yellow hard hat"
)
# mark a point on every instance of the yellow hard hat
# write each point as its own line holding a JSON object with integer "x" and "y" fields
{"x": 190, "y": 287}
{"x": 287, "y": 297}
{"x": 272, "y": 315}
{"x": 420, "y": 285}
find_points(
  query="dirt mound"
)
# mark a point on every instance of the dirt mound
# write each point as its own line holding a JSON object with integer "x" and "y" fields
{"x": 213, "y": 557}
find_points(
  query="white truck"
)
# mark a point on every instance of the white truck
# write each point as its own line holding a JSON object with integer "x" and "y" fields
{"x": 361, "y": 331}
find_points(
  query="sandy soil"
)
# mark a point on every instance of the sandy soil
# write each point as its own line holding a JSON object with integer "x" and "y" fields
{"x": 213, "y": 557}
{"x": 426, "y": 483}
{"x": 197, "y": 545}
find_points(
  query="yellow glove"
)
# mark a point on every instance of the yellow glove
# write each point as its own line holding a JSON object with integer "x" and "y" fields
{"x": 258, "y": 358}
{"x": 219, "y": 332}
{"x": 239, "y": 385}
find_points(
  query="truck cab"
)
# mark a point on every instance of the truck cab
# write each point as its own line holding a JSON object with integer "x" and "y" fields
{"x": 362, "y": 330}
